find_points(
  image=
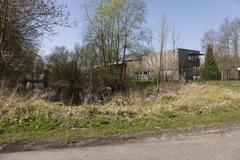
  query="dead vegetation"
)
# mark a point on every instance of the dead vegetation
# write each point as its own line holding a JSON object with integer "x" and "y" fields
{"x": 137, "y": 103}
{"x": 177, "y": 106}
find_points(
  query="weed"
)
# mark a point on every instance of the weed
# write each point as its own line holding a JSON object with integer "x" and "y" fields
{"x": 191, "y": 104}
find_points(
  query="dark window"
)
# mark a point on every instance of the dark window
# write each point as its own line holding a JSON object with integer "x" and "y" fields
{"x": 193, "y": 57}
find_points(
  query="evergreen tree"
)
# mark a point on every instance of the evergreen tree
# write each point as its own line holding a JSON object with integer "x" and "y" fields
{"x": 210, "y": 69}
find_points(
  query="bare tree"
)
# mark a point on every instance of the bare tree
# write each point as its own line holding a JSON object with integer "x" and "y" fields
{"x": 164, "y": 62}
{"x": 173, "y": 58}
{"x": 210, "y": 38}
{"x": 163, "y": 36}
{"x": 114, "y": 27}
{"x": 175, "y": 38}
{"x": 23, "y": 22}
{"x": 222, "y": 54}
{"x": 235, "y": 39}
{"x": 226, "y": 43}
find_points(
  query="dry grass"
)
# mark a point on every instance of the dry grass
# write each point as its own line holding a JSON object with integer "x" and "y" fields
{"x": 205, "y": 96}
{"x": 137, "y": 103}
{"x": 139, "y": 111}
{"x": 199, "y": 96}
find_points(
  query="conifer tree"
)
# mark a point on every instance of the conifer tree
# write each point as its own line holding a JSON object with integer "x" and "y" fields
{"x": 210, "y": 69}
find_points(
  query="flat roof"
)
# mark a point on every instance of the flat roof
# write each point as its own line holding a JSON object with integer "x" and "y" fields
{"x": 188, "y": 49}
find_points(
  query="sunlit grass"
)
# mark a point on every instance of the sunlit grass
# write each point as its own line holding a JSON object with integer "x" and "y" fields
{"x": 188, "y": 105}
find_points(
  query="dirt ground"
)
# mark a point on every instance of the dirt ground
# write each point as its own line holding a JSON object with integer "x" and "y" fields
{"x": 39, "y": 145}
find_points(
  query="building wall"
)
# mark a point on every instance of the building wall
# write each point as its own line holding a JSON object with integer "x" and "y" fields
{"x": 176, "y": 65}
{"x": 148, "y": 66}
{"x": 186, "y": 68}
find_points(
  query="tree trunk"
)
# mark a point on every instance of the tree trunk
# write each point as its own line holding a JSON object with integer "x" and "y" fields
{"x": 222, "y": 75}
{"x": 158, "y": 81}
{"x": 1, "y": 86}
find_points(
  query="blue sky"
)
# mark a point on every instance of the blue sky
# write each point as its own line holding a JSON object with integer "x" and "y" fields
{"x": 192, "y": 19}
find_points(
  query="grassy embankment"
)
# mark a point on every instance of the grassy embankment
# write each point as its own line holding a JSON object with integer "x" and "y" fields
{"x": 179, "y": 106}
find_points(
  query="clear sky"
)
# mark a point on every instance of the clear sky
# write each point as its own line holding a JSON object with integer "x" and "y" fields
{"x": 192, "y": 19}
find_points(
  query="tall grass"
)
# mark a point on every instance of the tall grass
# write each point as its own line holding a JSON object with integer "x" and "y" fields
{"x": 137, "y": 102}
{"x": 176, "y": 105}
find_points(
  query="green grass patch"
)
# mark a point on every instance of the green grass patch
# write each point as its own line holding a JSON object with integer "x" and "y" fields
{"x": 97, "y": 125}
{"x": 189, "y": 105}
{"x": 230, "y": 84}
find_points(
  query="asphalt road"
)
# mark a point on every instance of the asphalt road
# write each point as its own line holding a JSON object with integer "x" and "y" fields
{"x": 210, "y": 146}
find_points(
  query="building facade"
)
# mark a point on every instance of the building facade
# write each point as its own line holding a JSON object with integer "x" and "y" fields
{"x": 177, "y": 64}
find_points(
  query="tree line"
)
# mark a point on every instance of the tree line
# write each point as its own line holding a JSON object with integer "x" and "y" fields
{"x": 114, "y": 30}
{"x": 22, "y": 25}
{"x": 225, "y": 43}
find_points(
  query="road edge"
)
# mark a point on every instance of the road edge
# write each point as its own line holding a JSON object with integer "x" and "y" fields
{"x": 164, "y": 134}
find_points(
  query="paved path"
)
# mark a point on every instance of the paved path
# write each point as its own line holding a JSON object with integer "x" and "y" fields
{"x": 211, "y": 146}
